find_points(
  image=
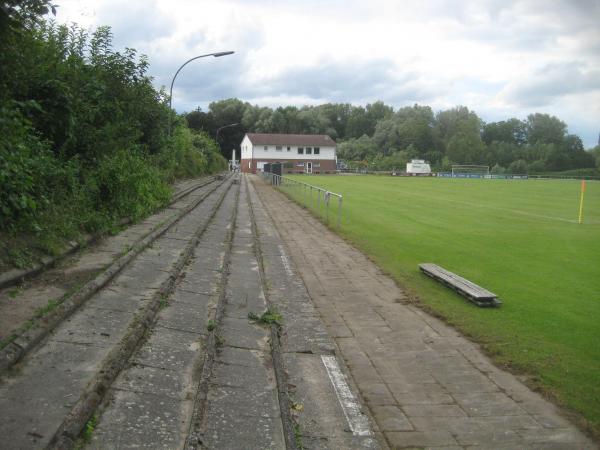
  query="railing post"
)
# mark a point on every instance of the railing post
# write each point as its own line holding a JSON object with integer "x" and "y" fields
{"x": 339, "y": 212}
{"x": 304, "y": 192}
{"x": 319, "y": 202}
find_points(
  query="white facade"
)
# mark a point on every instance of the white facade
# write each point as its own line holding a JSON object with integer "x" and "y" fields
{"x": 418, "y": 166}
{"x": 251, "y": 151}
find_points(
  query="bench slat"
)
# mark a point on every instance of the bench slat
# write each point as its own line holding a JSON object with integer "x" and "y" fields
{"x": 475, "y": 293}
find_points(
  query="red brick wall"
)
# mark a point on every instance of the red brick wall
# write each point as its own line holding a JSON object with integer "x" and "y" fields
{"x": 326, "y": 165}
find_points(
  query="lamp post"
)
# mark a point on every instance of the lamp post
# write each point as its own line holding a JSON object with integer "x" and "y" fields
{"x": 216, "y": 55}
{"x": 224, "y": 126}
{"x": 217, "y": 134}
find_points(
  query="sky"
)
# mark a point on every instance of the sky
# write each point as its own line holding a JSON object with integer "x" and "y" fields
{"x": 501, "y": 59}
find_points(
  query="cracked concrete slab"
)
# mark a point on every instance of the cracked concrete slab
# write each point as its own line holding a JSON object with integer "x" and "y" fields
{"x": 73, "y": 355}
{"x": 325, "y": 416}
{"x": 151, "y": 403}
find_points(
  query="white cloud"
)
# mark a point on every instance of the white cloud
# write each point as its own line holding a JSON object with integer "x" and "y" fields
{"x": 499, "y": 58}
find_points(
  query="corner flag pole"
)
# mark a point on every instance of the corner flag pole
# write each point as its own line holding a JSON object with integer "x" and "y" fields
{"x": 581, "y": 201}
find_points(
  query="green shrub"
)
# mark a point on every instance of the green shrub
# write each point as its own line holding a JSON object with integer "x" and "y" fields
{"x": 127, "y": 184}
{"x": 30, "y": 174}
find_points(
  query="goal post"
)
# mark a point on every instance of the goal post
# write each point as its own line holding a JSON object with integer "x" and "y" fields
{"x": 469, "y": 171}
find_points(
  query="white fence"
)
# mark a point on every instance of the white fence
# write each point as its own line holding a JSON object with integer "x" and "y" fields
{"x": 313, "y": 197}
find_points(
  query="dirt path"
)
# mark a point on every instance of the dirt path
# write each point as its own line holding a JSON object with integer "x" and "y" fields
{"x": 425, "y": 385}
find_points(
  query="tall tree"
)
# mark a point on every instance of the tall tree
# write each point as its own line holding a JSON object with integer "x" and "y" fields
{"x": 545, "y": 129}
{"x": 415, "y": 127}
{"x": 512, "y": 131}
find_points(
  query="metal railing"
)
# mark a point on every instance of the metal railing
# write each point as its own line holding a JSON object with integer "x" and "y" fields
{"x": 313, "y": 197}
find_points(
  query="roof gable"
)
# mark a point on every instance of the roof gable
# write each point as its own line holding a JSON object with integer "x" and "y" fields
{"x": 316, "y": 140}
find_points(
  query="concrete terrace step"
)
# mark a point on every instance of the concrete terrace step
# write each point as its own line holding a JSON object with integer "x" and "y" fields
{"x": 20, "y": 304}
{"x": 81, "y": 354}
{"x": 168, "y": 354}
{"x": 150, "y": 404}
{"x": 328, "y": 413}
{"x": 13, "y": 276}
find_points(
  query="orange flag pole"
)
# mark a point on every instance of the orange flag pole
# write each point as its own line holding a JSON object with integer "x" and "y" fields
{"x": 581, "y": 201}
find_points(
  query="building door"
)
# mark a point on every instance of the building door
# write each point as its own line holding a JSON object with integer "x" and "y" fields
{"x": 308, "y": 167}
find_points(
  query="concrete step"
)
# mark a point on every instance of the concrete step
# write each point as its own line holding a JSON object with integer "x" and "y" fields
{"x": 60, "y": 382}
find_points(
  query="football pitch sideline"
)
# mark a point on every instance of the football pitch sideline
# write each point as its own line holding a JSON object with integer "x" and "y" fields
{"x": 518, "y": 238}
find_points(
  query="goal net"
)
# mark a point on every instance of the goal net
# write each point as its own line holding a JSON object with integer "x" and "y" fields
{"x": 467, "y": 171}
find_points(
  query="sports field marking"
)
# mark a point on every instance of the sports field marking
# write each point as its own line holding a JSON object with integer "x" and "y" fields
{"x": 356, "y": 420}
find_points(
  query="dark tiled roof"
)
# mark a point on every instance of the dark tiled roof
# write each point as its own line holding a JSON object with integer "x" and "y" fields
{"x": 317, "y": 140}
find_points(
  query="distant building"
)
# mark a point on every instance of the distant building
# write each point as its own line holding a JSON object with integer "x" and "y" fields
{"x": 418, "y": 167}
{"x": 299, "y": 153}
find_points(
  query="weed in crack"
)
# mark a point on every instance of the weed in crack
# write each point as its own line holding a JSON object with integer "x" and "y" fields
{"x": 50, "y": 306}
{"x": 89, "y": 428}
{"x": 269, "y": 317}
{"x": 298, "y": 436}
{"x": 162, "y": 303}
{"x": 211, "y": 325}
{"x": 13, "y": 293}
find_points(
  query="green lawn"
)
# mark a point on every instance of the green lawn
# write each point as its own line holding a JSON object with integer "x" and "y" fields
{"x": 517, "y": 238}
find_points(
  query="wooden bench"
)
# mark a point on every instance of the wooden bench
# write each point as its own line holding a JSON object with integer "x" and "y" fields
{"x": 475, "y": 293}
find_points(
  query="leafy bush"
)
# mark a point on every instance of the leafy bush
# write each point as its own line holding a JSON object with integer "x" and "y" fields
{"x": 127, "y": 184}
{"x": 30, "y": 175}
{"x": 83, "y": 135}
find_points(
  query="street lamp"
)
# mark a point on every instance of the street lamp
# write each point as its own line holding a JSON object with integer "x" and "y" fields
{"x": 224, "y": 126}
{"x": 216, "y": 55}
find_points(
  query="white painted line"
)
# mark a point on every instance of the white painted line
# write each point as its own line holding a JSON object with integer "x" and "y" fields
{"x": 284, "y": 260}
{"x": 357, "y": 421}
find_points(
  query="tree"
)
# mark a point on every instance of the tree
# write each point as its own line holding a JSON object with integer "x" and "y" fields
{"x": 497, "y": 169}
{"x": 415, "y": 127}
{"x": 465, "y": 148}
{"x": 595, "y": 152}
{"x": 386, "y": 136}
{"x": 545, "y": 129}
{"x": 456, "y": 120}
{"x": 518, "y": 167}
{"x": 512, "y": 131}
{"x": 357, "y": 149}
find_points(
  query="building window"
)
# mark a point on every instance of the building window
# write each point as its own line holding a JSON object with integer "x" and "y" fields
{"x": 317, "y": 150}
{"x": 300, "y": 150}
{"x": 308, "y": 150}
{"x": 278, "y": 148}
{"x": 289, "y": 148}
{"x": 266, "y": 148}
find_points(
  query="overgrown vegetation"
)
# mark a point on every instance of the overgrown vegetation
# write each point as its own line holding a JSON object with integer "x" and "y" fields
{"x": 84, "y": 136}
{"x": 211, "y": 325}
{"x": 270, "y": 316}
{"x": 379, "y": 137}
{"x": 88, "y": 429}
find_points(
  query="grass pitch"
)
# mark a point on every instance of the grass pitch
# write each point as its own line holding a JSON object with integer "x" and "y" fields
{"x": 518, "y": 238}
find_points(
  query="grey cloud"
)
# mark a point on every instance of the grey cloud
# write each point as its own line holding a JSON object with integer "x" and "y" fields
{"x": 346, "y": 82}
{"x": 201, "y": 82}
{"x": 550, "y": 82}
{"x": 357, "y": 83}
{"x": 134, "y": 24}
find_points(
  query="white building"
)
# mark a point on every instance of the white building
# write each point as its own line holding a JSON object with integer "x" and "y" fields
{"x": 418, "y": 167}
{"x": 299, "y": 153}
